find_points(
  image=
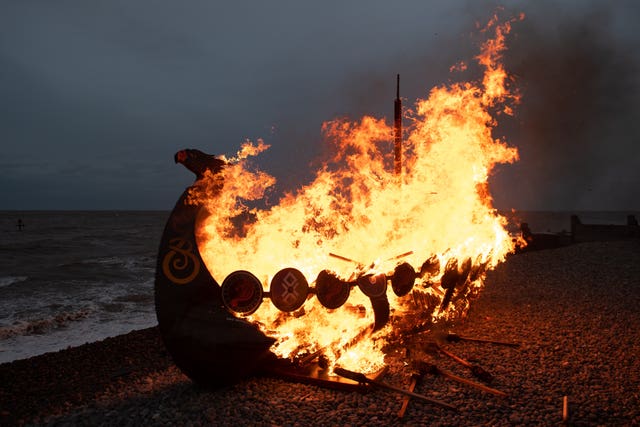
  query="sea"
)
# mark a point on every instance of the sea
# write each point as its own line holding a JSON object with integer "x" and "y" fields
{"x": 71, "y": 277}
{"x": 67, "y": 278}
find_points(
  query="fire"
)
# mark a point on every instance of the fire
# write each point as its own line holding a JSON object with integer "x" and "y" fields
{"x": 358, "y": 218}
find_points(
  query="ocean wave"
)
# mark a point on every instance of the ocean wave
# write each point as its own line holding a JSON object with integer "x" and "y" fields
{"x": 127, "y": 263}
{"x": 42, "y": 326}
{"x": 10, "y": 280}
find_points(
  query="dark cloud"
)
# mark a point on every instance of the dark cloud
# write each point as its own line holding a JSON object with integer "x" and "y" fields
{"x": 96, "y": 98}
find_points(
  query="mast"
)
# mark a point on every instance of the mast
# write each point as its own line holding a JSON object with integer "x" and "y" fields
{"x": 397, "y": 121}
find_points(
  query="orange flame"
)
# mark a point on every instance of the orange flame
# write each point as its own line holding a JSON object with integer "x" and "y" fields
{"x": 440, "y": 208}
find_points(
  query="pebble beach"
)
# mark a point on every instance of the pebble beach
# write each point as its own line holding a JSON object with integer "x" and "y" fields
{"x": 573, "y": 310}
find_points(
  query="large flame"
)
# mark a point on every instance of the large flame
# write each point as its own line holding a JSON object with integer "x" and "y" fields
{"x": 439, "y": 209}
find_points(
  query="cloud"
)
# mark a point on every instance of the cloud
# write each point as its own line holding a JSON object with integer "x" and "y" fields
{"x": 118, "y": 86}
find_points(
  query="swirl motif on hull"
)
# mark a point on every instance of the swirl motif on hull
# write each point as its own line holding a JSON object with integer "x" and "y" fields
{"x": 180, "y": 265}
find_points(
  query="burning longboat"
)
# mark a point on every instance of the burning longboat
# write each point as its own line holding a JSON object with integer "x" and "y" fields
{"x": 375, "y": 246}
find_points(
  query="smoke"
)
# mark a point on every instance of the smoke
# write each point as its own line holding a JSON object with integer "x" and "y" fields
{"x": 576, "y": 128}
{"x": 576, "y": 67}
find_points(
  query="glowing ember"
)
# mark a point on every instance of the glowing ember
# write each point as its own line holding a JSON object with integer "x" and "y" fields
{"x": 436, "y": 217}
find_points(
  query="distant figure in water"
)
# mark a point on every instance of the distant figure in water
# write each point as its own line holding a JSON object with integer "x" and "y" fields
{"x": 20, "y": 224}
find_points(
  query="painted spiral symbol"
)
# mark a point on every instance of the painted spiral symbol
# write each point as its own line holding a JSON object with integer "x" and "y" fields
{"x": 180, "y": 264}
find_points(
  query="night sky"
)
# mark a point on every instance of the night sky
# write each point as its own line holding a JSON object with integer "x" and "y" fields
{"x": 96, "y": 97}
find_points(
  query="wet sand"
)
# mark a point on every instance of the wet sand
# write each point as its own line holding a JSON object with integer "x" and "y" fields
{"x": 574, "y": 310}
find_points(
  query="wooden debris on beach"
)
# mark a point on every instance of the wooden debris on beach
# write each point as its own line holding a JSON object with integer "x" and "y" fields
{"x": 361, "y": 378}
{"x": 415, "y": 379}
{"x": 429, "y": 368}
{"x": 476, "y": 370}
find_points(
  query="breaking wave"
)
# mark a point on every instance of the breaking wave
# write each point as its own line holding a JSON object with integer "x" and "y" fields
{"x": 42, "y": 326}
{"x": 10, "y": 280}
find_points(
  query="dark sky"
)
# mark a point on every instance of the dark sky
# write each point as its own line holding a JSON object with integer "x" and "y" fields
{"x": 96, "y": 97}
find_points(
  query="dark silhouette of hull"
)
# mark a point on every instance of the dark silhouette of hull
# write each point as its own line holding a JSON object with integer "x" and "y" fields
{"x": 211, "y": 346}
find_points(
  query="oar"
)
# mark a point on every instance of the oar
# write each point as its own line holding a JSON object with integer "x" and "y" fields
{"x": 415, "y": 378}
{"x": 451, "y": 337}
{"x": 362, "y": 379}
{"x": 477, "y": 371}
{"x": 428, "y": 368}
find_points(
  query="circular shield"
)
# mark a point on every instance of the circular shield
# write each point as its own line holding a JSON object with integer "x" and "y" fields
{"x": 289, "y": 289}
{"x": 331, "y": 291}
{"x": 242, "y": 292}
{"x": 373, "y": 285}
{"x": 403, "y": 278}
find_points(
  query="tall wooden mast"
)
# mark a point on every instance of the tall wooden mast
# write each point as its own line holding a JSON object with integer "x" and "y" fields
{"x": 397, "y": 120}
